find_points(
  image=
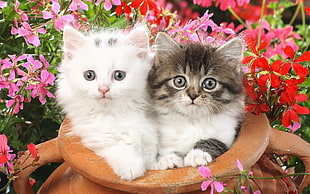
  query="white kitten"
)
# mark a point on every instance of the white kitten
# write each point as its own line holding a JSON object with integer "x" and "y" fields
{"x": 102, "y": 89}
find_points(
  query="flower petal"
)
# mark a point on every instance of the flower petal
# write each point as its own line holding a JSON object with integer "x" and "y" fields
{"x": 205, "y": 185}
{"x": 204, "y": 171}
{"x": 300, "y": 70}
{"x": 239, "y": 165}
{"x": 300, "y": 109}
{"x": 107, "y": 5}
{"x": 219, "y": 187}
{"x": 307, "y": 10}
{"x": 304, "y": 57}
{"x": 301, "y": 97}
{"x": 288, "y": 50}
{"x": 33, "y": 150}
{"x": 288, "y": 117}
{"x": 3, "y": 158}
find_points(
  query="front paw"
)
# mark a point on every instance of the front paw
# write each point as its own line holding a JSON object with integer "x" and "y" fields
{"x": 169, "y": 161}
{"x": 197, "y": 158}
{"x": 129, "y": 169}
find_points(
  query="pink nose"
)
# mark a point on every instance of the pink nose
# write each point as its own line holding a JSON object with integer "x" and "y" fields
{"x": 104, "y": 89}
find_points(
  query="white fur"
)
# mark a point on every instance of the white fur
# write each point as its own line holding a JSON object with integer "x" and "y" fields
{"x": 115, "y": 127}
{"x": 182, "y": 124}
{"x": 179, "y": 131}
{"x": 197, "y": 158}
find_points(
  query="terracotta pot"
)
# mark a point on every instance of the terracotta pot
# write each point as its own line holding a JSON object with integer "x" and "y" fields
{"x": 84, "y": 172}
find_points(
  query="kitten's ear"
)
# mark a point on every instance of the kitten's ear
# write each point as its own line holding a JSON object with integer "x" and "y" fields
{"x": 139, "y": 39}
{"x": 232, "y": 50}
{"x": 164, "y": 43}
{"x": 73, "y": 39}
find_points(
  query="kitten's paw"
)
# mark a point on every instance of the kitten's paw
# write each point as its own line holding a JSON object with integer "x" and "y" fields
{"x": 129, "y": 169}
{"x": 197, "y": 158}
{"x": 169, "y": 161}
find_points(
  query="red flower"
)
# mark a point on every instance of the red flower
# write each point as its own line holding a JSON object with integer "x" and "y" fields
{"x": 298, "y": 68}
{"x": 3, "y": 149}
{"x": 123, "y": 8}
{"x": 294, "y": 109}
{"x": 32, "y": 181}
{"x": 6, "y": 157}
{"x": 307, "y": 10}
{"x": 145, "y": 6}
{"x": 257, "y": 104}
{"x": 248, "y": 12}
{"x": 33, "y": 150}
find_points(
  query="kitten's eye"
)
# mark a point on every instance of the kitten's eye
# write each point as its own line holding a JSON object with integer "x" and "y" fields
{"x": 89, "y": 75}
{"x": 179, "y": 81}
{"x": 209, "y": 84}
{"x": 119, "y": 75}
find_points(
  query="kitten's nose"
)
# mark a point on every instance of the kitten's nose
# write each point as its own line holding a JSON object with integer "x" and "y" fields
{"x": 104, "y": 89}
{"x": 193, "y": 96}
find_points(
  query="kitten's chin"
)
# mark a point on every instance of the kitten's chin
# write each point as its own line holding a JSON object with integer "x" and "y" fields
{"x": 189, "y": 108}
{"x": 104, "y": 99}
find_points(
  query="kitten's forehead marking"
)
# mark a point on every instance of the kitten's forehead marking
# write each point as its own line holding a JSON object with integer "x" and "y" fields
{"x": 112, "y": 41}
{"x": 97, "y": 42}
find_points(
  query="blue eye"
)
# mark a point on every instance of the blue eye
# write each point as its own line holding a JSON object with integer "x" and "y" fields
{"x": 209, "y": 84}
{"x": 89, "y": 75}
{"x": 119, "y": 75}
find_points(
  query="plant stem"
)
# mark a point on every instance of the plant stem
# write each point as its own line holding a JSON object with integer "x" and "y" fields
{"x": 6, "y": 185}
{"x": 303, "y": 20}
{"x": 278, "y": 177}
{"x": 295, "y": 14}
{"x": 237, "y": 17}
{"x": 261, "y": 22}
{"x": 254, "y": 177}
{"x": 6, "y": 122}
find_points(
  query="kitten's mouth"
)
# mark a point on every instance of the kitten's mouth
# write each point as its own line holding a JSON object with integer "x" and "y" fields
{"x": 104, "y": 97}
{"x": 192, "y": 104}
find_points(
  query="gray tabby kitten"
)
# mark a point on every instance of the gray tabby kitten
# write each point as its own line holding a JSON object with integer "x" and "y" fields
{"x": 197, "y": 92}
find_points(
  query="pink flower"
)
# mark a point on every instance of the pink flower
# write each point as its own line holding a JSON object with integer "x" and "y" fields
{"x": 3, "y": 82}
{"x": 12, "y": 64}
{"x": 203, "y": 3}
{"x": 23, "y": 16}
{"x": 30, "y": 35}
{"x": 242, "y": 2}
{"x": 14, "y": 29}
{"x": 277, "y": 39}
{"x": 59, "y": 21}
{"x": 239, "y": 165}
{"x": 46, "y": 78}
{"x": 294, "y": 126}
{"x": 247, "y": 190}
{"x": 203, "y": 30}
{"x": 5, "y": 154}
{"x": 44, "y": 61}
{"x": 18, "y": 102}
{"x": 76, "y": 4}
{"x": 3, "y": 149}
{"x": 3, "y": 4}
{"x": 13, "y": 88}
{"x": 108, "y": 4}
{"x": 32, "y": 65}
{"x": 9, "y": 82}
{"x": 214, "y": 185}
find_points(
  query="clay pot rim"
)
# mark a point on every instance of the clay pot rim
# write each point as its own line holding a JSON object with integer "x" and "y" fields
{"x": 248, "y": 148}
